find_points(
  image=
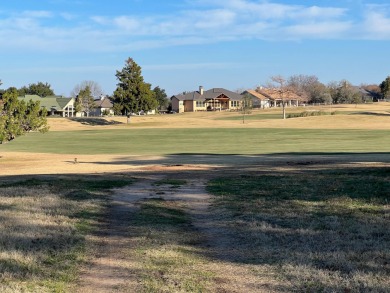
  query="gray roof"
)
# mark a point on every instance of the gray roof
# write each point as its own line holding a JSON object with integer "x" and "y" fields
{"x": 213, "y": 93}
{"x": 103, "y": 103}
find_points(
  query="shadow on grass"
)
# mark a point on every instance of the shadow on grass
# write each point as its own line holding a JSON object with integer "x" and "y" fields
{"x": 247, "y": 161}
{"x": 93, "y": 121}
{"x": 320, "y": 229}
{"x": 371, "y": 114}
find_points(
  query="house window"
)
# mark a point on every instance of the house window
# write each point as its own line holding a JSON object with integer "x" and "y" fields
{"x": 199, "y": 104}
{"x": 235, "y": 103}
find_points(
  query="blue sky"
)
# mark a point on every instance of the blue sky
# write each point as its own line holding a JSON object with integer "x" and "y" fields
{"x": 183, "y": 44}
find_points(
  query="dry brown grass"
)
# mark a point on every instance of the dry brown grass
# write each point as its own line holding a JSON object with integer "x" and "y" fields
{"x": 39, "y": 239}
{"x": 376, "y": 117}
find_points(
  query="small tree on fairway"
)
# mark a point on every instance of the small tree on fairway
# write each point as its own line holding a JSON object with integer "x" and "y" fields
{"x": 18, "y": 117}
{"x": 278, "y": 86}
{"x": 132, "y": 94}
{"x": 246, "y": 105}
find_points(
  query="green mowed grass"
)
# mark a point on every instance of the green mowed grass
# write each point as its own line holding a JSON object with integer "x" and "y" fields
{"x": 262, "y": 116}
{"x": 202, "y": 141}
{"x": 322, "y": 231}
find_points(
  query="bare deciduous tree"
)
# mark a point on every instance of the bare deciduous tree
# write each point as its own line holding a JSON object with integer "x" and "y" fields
{"x": 94, "y": 88}
{"x": 278, "y": 86}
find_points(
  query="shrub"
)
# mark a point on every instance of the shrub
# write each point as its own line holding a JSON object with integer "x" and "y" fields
{"x": 307, "y": 114}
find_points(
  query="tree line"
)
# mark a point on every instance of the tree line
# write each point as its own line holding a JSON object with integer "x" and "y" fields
{"x": 309, "y": 88}
{"x": 133, "y": 95}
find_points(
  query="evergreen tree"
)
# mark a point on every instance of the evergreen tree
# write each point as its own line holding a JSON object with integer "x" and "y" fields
{"x": 385, "y": 88}
{"x": 132, "y": 94}
{"x": 18, "y": 117}
{"x": 40, "y": 89}
{"x": 161, "y": 98}
{"x": 85, "y": 101}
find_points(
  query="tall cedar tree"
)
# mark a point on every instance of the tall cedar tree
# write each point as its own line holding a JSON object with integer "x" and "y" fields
{"x": 18, "y": 117}
{"x": 132, "y": 94}
{"x": 385, "y": 88}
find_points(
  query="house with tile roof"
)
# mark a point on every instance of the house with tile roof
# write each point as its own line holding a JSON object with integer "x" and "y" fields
{"x": 55, "y": 105}
{"x": 268, "y": 97}
{"x": 215, "y": 99}
{"x": 259, "y": 100}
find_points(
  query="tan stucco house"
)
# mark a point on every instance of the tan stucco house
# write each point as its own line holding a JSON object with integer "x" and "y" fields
{"x": 216, "y": 99}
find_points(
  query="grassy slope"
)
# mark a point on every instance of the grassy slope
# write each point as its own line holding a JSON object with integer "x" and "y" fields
{"x": 201, "y": 141}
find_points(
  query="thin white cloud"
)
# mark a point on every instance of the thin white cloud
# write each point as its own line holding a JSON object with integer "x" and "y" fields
{"x": 191, "y": 66}
{"x": 68, "y": 16}
{"x": 36, "y": 14}
{"x": 319, "y": 30}
{"x": 377, "y": 22}
{"x": 199, "y": 23}
{"x": 130, "y": 24}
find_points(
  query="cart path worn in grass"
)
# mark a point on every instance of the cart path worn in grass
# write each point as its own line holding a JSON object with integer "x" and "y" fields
{"x": 112, "y": 269}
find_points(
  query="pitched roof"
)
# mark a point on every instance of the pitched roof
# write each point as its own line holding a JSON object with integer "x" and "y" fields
{"x": 213, "y": 93}
{"x": 274, "y": 95}
{"x": 367, "y": 93}
{"x": 103, "y": 103}
{"x": 257, "y": 95}
{"x": 57, "y": 103}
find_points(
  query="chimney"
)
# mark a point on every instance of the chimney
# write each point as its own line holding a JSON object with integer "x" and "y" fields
{"x": 201, "y": 90}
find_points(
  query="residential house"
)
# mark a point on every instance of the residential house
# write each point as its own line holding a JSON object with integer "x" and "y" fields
{"x": 55, "y": 105}
{"x": 368, "y": 95}
{"x": 215, "y": 99}
{"x": 104, "y": 106}
{"x": 258, "y": 100}
{"x": 274, "y": 98}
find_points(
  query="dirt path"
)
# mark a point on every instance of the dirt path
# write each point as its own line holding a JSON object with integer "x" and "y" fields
{"x": 113, "y": 270}
{"x": 110, "y": 270}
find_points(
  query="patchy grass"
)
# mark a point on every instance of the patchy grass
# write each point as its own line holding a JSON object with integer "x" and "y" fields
{"x": 174, "y": 183}
{"x": 319, "y": 231}
{"x": 43, "y": 228}
{"x": 167, "y": 259}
